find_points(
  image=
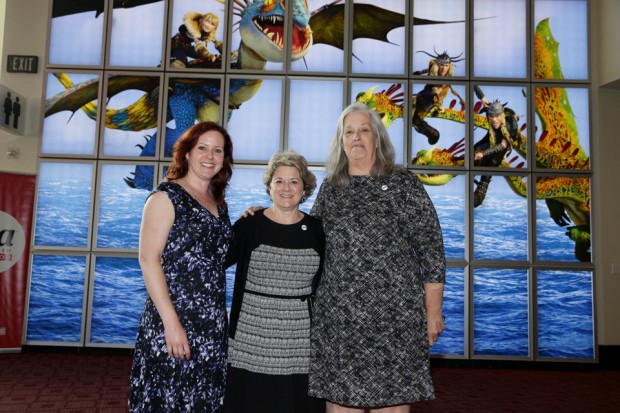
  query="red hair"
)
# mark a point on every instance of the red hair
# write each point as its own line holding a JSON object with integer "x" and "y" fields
{"x": 179, "y": 167}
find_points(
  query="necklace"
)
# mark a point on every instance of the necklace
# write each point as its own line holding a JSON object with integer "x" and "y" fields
{"x": 201, "y": 199}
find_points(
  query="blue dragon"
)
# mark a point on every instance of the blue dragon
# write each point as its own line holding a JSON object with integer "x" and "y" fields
{"x": 261, "y": 28}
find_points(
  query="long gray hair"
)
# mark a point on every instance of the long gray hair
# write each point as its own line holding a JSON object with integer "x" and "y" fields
{"x": 337, "y": 165}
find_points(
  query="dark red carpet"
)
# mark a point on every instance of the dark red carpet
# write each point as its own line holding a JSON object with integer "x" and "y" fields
{"x": 59, "y": 382}
{"x": 52, "y": 382}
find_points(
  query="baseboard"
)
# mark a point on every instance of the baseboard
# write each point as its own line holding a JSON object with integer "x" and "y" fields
{"x": 608, "y": 359}
{"x": 107, "y": 351}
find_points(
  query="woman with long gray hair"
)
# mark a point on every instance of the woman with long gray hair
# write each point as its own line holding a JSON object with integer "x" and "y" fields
{"x": 378, "y": 306}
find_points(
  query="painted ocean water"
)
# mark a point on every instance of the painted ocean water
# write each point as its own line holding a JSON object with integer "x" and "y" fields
{"x": 60, "y": 311}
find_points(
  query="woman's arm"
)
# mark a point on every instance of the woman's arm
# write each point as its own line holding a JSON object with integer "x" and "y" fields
{"x": 434, "y": 317}
{"x": 157, "y": 220}
{"x": 234, "y": 249}
{"x": 427, "y": 242}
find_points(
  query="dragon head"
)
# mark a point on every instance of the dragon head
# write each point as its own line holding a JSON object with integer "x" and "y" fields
{"x": 425, "y": 157}
{"x": 262, "y": 28}
{"x": 453, "y": 156}
{"x": 387, "y": 103}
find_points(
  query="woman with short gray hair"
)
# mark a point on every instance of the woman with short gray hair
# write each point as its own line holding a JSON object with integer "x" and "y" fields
{"x": 279, "y": 256}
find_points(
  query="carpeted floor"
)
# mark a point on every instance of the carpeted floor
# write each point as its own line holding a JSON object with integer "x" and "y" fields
{"x": 71, "y": 383}
{"x": 50, "y": 382}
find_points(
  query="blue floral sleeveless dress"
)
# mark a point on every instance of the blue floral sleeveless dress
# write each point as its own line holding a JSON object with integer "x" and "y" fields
{"x": 193, "y": 261}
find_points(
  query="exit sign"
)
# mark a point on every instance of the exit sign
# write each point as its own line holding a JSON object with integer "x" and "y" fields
{"x": 22, "y": 64}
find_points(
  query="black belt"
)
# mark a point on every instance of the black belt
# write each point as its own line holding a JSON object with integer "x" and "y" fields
{"x": 309, "y": 298}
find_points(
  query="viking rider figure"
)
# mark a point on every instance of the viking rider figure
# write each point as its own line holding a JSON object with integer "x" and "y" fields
{"x": 432, "y": 96}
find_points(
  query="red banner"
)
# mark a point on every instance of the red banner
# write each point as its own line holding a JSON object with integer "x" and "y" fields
{"x": 16, "y": 206}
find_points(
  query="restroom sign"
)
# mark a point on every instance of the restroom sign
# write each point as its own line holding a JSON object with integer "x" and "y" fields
{"x": 22, "y": 64}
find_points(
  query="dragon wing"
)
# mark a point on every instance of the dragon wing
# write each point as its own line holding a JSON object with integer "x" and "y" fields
{"x": 370, "y": 22}
{"x": 74, "y": 97}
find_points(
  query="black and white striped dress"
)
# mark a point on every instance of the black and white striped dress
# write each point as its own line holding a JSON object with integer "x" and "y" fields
{"x": 269, "y": 346}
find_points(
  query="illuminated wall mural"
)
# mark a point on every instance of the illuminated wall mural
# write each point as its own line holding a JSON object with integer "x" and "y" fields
{"x": 497, "y": 129}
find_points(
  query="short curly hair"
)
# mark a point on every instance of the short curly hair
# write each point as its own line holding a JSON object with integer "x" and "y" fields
{"x": 290, "y": 158}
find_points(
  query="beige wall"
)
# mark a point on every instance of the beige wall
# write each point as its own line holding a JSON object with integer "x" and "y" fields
{"x": 25, "y": 30}
{"x": 606, "y": 200}
{"x": 607, "y": 28}
{"x": 25, "y": 33}
{"x": 605, "y": 114}
{"x": 2, "y": 13}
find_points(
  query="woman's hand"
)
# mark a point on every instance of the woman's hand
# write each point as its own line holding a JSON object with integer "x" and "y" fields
{"x": 435, "y": 326}
{"x": 434, "y": 316}
{"x": 251, "y": 210}
{"x": 176, "y": 341}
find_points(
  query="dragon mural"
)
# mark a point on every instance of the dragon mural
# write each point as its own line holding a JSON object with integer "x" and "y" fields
{"x": 261, "y": 27}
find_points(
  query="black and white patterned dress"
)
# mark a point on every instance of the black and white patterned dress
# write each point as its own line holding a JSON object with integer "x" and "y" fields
{"x": 369, "y": 343}
{"x": 193, "y": 262}
{"x": 269, "y": 345}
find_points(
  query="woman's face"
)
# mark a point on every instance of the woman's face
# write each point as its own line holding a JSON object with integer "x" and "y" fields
{"x": 207, "y": 25}
{"x": 207, "y": 157}
{"x": 286, "y": 187}
{"x": 359, "y": 140}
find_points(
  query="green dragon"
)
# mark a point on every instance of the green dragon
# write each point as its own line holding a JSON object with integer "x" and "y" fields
{"x": 557, "y": 147}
